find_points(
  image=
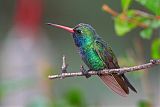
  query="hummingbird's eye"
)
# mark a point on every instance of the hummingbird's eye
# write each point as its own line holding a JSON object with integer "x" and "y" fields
{"x": 79, "y": 31}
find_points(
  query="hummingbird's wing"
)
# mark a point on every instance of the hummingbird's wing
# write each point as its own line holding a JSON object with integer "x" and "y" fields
{"x": 113, "y": 81}
{"x": 106, "y": 54}
{"x": 110, "y": 59}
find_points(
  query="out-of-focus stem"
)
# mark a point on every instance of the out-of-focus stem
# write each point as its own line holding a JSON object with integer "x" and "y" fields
{"x": 106, "y": 8}
{"x": 109, "y": 10}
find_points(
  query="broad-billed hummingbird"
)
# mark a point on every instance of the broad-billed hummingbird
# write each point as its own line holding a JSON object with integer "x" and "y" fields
{"x": 98, "y": 55}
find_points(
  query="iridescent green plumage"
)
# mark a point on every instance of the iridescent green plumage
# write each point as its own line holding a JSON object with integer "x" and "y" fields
{"x": 97, "y": 55}
{"x": 94, "y": 51}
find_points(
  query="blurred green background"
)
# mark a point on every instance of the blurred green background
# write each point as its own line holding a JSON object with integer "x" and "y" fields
{"x": 131, "y": 49}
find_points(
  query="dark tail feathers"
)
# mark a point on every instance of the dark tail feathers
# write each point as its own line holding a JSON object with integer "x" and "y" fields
{"x": 128, "y": 83}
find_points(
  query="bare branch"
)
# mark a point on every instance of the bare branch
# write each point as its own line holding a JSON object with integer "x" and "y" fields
{"x": 106, "y": 71}
{"x": 64, "y": 65}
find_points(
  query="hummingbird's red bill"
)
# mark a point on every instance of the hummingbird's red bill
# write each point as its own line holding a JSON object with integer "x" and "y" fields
{"x": 62, "y": 27}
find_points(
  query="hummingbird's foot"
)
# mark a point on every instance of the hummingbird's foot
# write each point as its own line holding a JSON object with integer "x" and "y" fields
{"x": 85, "y": 72}
{"x": 99, "y": 73}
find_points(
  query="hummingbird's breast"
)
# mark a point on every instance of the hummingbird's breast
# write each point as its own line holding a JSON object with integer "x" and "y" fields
{"x": 91, "y": 58}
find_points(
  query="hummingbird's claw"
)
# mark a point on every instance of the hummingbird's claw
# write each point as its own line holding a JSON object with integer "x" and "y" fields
{"x": 99, "y": 73}
{"x": 85, "y": 72}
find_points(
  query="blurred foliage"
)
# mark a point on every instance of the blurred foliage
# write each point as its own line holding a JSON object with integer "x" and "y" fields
{"x": 125, "y": 4}
{"x": 1, "y": 94}
{"x": 152, "y": 5}
{"x": 2, "y": 91}
{"x": 144, "y": 103}
{"x": 149, "y": 23}
{"x": 126, "y": 21}
{"x": 130, "y": 19}
{"x": 73, "y": 98}
{"x": 146, "y": 33}
{"x": 156, "y": 48}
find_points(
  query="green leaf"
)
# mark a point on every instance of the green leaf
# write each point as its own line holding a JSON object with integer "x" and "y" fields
{"x": 125, "y": 4}
{"x": 155, "y": 49}
{"x": 128, "y": 21}
{"x": 144, "y": 103}
{"x": 146, "y": 33}
{"x": 155, "y": 24}
{"x": 122, "y": 26}
{"x": 75, "y": 98}
{"x": 152, "y": 5}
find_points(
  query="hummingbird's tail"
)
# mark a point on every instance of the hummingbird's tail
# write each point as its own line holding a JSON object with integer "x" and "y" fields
{"x": 117, "y": 83}
{"x": 128, "y": 83}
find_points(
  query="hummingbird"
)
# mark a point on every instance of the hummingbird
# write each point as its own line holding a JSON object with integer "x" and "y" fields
{"x": 98, "y": 55}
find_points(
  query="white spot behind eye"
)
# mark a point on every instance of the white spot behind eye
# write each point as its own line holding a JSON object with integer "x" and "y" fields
{"x": 79, "y": 31}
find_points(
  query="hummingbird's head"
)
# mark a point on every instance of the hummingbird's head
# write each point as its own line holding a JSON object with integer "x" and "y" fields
{"x": 83, "y": 34}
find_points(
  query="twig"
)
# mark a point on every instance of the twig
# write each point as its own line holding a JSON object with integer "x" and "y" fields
{"x": 124, "y": 17}
{"x": 107, "y": 71}
{"x": 106, "y": 8}
{"x": 64, "y": 65}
